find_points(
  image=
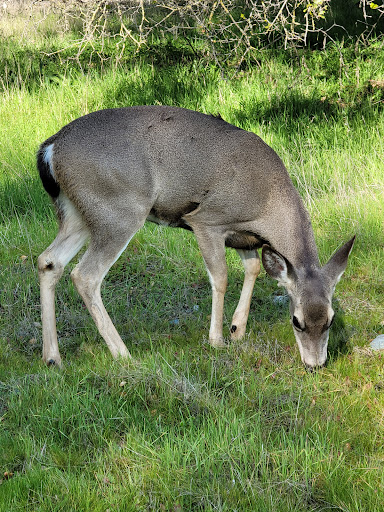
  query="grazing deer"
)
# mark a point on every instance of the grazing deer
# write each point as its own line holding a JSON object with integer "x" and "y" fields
{"x": 111, "y": 170}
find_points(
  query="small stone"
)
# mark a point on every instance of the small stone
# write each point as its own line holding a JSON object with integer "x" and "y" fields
{"x": 378, "y": 343}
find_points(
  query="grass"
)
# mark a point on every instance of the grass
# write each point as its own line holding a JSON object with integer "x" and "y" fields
{"x": 184, "y": 427}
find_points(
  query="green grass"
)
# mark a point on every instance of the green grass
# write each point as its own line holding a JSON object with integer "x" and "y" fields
{"x": 185, "y": 427}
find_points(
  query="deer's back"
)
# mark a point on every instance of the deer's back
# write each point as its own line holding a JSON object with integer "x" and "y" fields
{"x": 170, "y": 162}
{"x": 177, "y": 157}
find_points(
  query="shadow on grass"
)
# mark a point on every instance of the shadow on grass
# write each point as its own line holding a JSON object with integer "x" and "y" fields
{"x": 339, "y": 333}
{"x": 33, "y": 67}
{"x": 291, "y": 106}
{"x": 175, "y": 85}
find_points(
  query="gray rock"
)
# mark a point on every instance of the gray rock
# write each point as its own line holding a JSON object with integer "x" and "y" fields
{"x": 378, "y": 343}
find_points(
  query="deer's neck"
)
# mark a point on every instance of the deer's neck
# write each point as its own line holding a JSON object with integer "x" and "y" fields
{"x": 289, "y": 231}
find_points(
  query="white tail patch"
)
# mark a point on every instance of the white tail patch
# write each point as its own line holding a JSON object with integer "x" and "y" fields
{"x": 47, "y": 157}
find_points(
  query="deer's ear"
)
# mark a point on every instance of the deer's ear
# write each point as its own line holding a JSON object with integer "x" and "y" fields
{"x": 277, "y": 266}
{"x": 336, "y": 266}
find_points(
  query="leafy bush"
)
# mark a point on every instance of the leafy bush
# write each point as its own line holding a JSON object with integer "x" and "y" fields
{"x": 227, "y": 32}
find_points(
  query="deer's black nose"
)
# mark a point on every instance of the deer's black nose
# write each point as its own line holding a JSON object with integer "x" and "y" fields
{"x": 311, "y": 369}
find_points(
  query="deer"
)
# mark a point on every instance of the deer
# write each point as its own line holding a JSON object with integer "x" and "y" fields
{"x": 109, "y": 171}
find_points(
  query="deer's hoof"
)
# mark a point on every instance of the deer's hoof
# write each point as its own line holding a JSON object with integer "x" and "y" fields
{"x": 53, "y": 362}
{"x": 219, "y": 343}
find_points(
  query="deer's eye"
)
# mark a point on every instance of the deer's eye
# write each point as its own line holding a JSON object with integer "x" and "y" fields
{"x": 296, "y": 324}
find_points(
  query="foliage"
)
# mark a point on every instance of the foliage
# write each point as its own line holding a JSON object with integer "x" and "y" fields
{"x": 228, "y": 31}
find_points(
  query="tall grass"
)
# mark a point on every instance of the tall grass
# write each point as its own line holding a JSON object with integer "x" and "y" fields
{"x": 185, "y": 427}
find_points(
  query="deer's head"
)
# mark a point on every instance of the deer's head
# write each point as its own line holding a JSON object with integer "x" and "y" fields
{"x": 310, "y": 292}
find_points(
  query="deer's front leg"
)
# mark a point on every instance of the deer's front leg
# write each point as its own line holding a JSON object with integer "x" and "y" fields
{"x": 251, "y": 262}
{"x": 212, "y": 247}
{"x": 219, "y": 285}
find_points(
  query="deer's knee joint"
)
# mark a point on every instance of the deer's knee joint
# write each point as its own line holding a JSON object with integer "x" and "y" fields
{"x": 76, "y": 277}
{"x": 82, "y": 283}
{"x": 220, "y": 287}
{"x": 253, "y": 267}
{"x": 254, "y": 274}
{"x": 222, "y": 283}
{"x": 46, "y": 264}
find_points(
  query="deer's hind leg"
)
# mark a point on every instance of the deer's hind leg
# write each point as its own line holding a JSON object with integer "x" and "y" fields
{"x": 51, "y": 263}
{"x": 103, "y": 251}
{"x": 251, "y": 262}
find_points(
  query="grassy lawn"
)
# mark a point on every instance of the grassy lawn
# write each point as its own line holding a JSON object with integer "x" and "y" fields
{"x": 184, "y": 427}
